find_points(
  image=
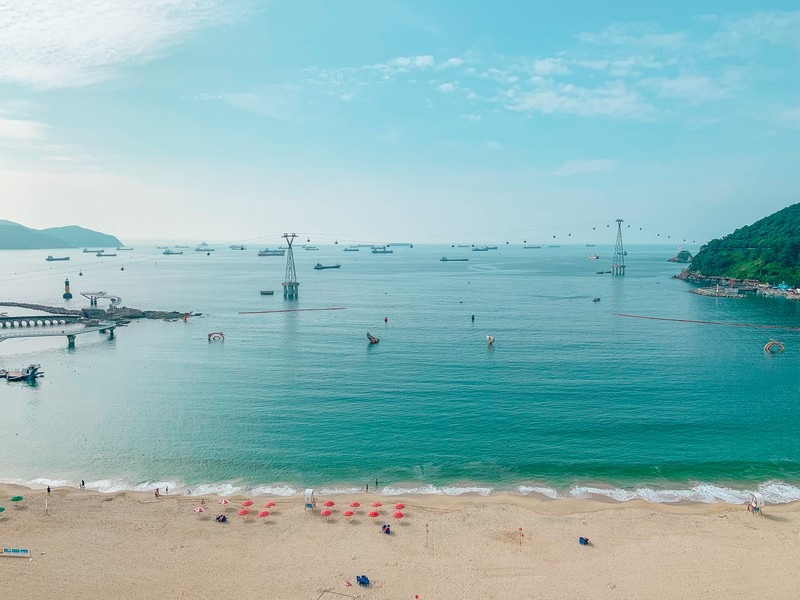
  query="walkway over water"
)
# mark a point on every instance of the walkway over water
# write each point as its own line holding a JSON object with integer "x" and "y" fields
{"x": 51, "y": 326}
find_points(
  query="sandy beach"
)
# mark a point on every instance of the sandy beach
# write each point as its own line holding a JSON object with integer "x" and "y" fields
{"x": 132, "y": 545}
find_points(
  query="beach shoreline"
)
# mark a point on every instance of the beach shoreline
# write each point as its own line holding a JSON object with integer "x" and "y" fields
{"x": 132, "y": 545}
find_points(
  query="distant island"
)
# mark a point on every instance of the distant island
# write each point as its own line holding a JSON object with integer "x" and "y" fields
{"x": 768, "y": 251}
{"x": 14, "y": 236}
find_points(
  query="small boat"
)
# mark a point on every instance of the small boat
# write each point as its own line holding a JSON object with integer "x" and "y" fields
{"x": 268, "y": 252}
{"x": 203, "y": 247}
{"x": 119, "y": 248}
{"x": 352, "y": 249}
{"x": 382, "y": 250}
{"x": 774, "y": 347}
{"x": 530, "y": 247}
{"x": 310, "y": 248}
{"x": 372, "y": 339}
{"x": 88, "y": 251}
{"x": 170, "y": 252}
{"x": 445, "y": 259}
{"x": 104, "y": 254}
{"x": 267, "y": 292}
{"x": 238, "y": 247}
{"x": 181, "y": 246}
{"x": 463, "y": 245}
{"x": 593, "y": 256}
{"x": 161, "y": 247}
{"x": 596, "y": 299}
{"x": 480, "y": 249}
{"x": 51, "y": 258}
{"x": 320, "y": 266}
{"x": 29, "y": 373}
{"x": 590, "y": 245}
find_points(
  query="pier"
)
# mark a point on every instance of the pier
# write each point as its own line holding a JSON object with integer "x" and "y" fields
{"x": 52, "y": 326}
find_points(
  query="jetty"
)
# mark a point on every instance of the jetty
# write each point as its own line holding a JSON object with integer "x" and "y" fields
{"x": 52, "y": 326}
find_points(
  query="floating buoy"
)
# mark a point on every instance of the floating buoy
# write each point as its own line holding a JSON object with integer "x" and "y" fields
{"x": 122, "y": 268}
{"x": 216, "y": 336}
{"x": 80, "y": 273}
{"x": 774, "y": 347}
{"x": 385, "y": 319}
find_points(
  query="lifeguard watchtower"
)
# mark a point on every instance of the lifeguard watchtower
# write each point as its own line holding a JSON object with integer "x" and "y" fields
{"x": 290, "y": 284}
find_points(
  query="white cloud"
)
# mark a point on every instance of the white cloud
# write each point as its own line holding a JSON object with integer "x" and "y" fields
{"x": 693, "y": 88}
{"x": 447, "y": 87}
{"x": 406, "y": 63}
{"x": 612, "y": 100}
{"x": 550, "y": 66}
{"x": 791, "y": 114}
{"x": 639, "y": 35}
{"x": 58, "y": 44}
{"x": 22, "y": 129}
{"x": 576, "y": 167}
{"x": 452, "y": 62}
{"x": 743, "y": 35}
{"x": 471, "y": 118}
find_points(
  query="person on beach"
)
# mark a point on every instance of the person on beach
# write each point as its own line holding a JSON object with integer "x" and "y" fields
{"x": 83, "y": 484}
{"x": 48, "y": 490}
{"x": 157, "y": 494}
{"x": 376, "y": 484}
{"x": 367, "y": 487}
{"x": 166, "y": 490}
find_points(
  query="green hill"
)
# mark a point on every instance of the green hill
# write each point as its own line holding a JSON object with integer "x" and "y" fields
{"x": 767, "y": 250}
{"x": 14, "y": 236}
{"x": 79, "y": 236}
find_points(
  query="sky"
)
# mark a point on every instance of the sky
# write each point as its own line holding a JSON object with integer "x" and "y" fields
{"x": 398, "y": 120}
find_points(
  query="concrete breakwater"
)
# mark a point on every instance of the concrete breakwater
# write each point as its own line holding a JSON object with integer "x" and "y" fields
{"x": 718, "y": 292}
{"x": 118, "y": 314}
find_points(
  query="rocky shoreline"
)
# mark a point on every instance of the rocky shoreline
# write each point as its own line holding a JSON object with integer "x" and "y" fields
{"x": 731, "y": 287}
{"x": 117, "y": 314}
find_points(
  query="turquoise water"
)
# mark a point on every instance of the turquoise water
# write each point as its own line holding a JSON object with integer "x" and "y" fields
{"x": 571, "y": 400}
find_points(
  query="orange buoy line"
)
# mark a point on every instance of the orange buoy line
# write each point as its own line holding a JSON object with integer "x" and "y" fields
{"x": 263, "y": 312}
{"x": 709, "y": 322}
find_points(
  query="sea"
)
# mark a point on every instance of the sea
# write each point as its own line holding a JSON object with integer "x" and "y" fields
{"x": 571, "y": 400}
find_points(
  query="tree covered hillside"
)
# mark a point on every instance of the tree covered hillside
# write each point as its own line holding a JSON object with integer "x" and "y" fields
{"x": 767, "y": 250}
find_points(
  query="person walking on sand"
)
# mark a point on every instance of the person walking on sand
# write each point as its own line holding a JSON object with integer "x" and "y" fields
{"x": 157, "y": 494}
{"x": 48, "y": 490}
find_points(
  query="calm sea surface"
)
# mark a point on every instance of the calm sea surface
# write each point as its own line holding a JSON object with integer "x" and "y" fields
{"x": 571, "y": 400}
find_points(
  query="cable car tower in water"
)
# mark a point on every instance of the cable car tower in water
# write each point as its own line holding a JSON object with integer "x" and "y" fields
{"x": 618, "y": 264}
{"x": 290, "y": 283}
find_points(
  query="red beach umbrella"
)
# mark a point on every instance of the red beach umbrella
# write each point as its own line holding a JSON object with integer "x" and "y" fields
{"x": 398, "y": 515}
{"x": 330, "y": 503}
{"x": 374, "y": 514}
{"x": 355, "y": 504}
{"x": 326, "y": 513}
{"x": 377, "y": 504}
{"x": 399, "y": 506}
{"x": 348, "y": 513}
{"x": 247, "y": 503}
{"x": 263, "y": 513}
{"x": 269, "y": 504}
{"x": 223, "y": 501}
{"x": 199, "y": 509}
{"x": 244, "y": 512}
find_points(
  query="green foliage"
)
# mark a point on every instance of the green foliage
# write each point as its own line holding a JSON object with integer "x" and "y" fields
{"x": 767, "y": 250}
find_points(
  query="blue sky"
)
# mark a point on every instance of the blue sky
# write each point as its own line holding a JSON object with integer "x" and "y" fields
{"x": 355, "y": 120}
